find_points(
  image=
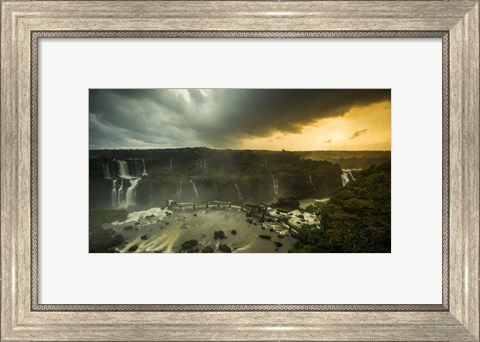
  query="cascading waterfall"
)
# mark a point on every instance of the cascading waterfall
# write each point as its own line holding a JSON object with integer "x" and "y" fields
{"x": 179, "y": 190}
{"x": 194, "y": 188}
{"x": 201, "y": 163}
{"x": 275, "y": 186}
{"x": 144, "y": 172}
{"x": 114, "y": 193}
{"x": 132, "y": 195}
{"x": 120, "y": 195}
{"x": 106, "y": 171}
{"x": 123, "y": 169}
{"x": 351, "y": 176}
{"x": 239, "y": 194}
{"x": 311, "y": 182}
{"x": 345, "y": 178}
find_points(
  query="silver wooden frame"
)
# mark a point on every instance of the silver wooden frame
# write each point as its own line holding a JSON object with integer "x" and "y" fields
{"x": 24, "y": 22}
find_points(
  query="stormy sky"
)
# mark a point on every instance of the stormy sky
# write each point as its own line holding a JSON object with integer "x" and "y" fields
{"x": 291, "y": 119}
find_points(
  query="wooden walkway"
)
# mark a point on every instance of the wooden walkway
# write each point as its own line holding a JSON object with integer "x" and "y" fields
{"x": 200, "y": 205}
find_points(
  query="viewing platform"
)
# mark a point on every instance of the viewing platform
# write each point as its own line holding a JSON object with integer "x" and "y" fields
{"x": 198, "y": 205}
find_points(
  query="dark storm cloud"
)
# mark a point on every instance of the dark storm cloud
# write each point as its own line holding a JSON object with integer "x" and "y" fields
{"x": 212, "y": 117}
{"x": 358, "y": 133}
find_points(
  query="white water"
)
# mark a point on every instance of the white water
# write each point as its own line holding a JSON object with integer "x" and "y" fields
{"x": 120, "y": 195}
{"x": 311, "y": 182}
{"x": 240, "y": 197}
{"x": 351, "y": 176}
{"x": 123, "y": 169}
{"x": 131, "y": 196}
{"x": 114, "y": 193}
{"x": 106, "y": 172}
{"x": 194, "y": 188}
{"x": 135, "y": 216}
{"x": 345, "y": 178}
{"x": 296, "y": 217}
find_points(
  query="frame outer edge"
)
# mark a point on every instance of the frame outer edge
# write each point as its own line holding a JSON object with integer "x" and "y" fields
{"x": 464, "y": 176}
{"x": 8, "y": 186}
{"x": 18, "y": 323}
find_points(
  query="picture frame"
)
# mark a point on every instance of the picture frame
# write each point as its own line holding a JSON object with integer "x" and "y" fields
{"x": 23, "y": 23}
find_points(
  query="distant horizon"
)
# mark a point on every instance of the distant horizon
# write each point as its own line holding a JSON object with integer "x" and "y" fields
{"x": 231, "y": 149}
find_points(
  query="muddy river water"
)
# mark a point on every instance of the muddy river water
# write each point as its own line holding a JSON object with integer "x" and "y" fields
{"x": 163, "y": 230}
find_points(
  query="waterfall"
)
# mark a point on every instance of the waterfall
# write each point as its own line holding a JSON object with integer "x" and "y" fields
{"x": 351, "y": 176}
{"x": 114, "y": 193}
{"x": 120, "y": 195}
{"x": 144, "y": 172}
{"x": 275, "y": 186}
{"x": 240, "y": 197}
{"x": 179, "y": 190}
{"x": 106, "y": 171}
{"x": 194, "y": 188}
{"x": 345, "y": 178}
{"x": 311, "y": 182}
{"x": 123, "y": 169}
{"x": 131, "y": 196}
{"x": 201, "y": 163}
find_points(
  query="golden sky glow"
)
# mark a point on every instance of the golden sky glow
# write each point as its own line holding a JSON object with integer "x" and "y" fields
{"x": 361, "y": 128}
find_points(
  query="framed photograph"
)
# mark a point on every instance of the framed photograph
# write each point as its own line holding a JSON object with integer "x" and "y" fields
{"x": 240, "y": 170}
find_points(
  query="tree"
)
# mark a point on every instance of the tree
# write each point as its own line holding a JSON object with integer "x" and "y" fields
{"x": 356, "y": 219}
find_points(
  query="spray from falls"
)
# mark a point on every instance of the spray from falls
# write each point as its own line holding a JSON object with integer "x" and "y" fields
{"x": 194, "y": 188}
